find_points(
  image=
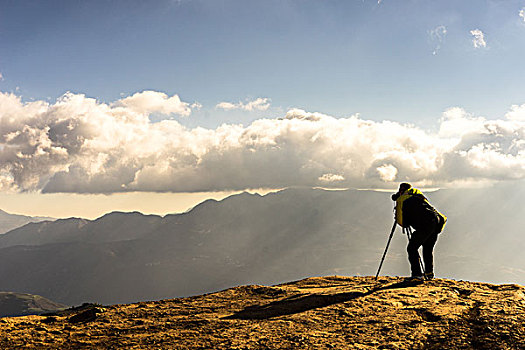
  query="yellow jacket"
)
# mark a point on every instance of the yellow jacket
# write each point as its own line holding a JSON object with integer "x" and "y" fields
{"x": 408, "y": 194}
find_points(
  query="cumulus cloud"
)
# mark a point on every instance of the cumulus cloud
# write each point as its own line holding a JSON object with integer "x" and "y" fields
{"x": 522, "y": 14}
{"x": 437, "y": 35}
{"x": 79, "y": 144}
{"x": 478, "y": 39}
{"x": 387, "y": 172}
{"x": 259, "y": 104}
{"x": 156, "y": 102}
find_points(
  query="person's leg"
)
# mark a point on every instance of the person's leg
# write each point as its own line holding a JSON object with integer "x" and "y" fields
{"x": 428, "y": 256}
{"x": 416, "y": 240}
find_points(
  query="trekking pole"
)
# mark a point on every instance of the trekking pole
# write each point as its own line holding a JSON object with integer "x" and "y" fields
{"x": 409, "y": 235}
{"x": 388, "y": 243}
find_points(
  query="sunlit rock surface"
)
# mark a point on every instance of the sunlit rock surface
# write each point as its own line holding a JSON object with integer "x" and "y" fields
{"x": 322, "y": 312}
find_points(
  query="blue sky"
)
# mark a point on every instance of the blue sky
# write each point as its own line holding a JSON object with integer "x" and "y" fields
{"x": 146, "y": 99}
{"x": 335, "y": 57}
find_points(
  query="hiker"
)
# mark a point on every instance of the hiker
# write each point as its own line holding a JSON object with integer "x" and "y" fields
{"x": 414, "y": 210}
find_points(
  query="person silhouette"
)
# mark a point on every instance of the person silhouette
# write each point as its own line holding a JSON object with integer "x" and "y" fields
{"x": 414, "y": 211}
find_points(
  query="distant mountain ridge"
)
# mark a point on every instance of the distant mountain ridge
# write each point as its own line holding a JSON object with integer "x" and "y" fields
{"x": 246, "y": 238}
{"x": 9, "y": 221}
{"x": 115, "y": 226}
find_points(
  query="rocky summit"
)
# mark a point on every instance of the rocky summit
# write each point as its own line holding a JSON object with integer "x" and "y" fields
{"x": 314, "y": 313}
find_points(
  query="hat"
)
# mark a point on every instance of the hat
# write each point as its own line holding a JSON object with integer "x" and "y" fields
{"x": 404, "y": 186}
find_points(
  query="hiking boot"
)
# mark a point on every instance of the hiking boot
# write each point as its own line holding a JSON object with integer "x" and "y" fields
{"x": 415, "y": 278}
{"x": 429, "y": 275}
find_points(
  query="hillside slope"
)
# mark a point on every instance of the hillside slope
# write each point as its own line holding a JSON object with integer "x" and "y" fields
{"x": 16, "y": 304}
{"x": 321, "y": 312}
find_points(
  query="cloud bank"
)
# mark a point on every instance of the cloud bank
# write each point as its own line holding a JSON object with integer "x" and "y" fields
{"x": 79, "y": 144}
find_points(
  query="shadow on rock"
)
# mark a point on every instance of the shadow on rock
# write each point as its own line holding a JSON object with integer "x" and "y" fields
{"x": 301, "y": 303}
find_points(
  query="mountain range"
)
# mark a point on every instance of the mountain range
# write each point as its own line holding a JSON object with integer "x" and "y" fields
{"x": 253, "y": 239}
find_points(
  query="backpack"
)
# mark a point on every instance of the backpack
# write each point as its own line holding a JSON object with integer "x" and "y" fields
{"x": 442, "y": 219}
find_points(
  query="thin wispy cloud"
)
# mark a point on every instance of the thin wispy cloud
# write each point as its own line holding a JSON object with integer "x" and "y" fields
{"x": 522, "y": 14}
{"x": 478, "y": 39}
{"x": 79, "y": 144}
{"x": 259, "y": 104}
{"x": 1, "y": 77}
{"x": 437, "y": 35}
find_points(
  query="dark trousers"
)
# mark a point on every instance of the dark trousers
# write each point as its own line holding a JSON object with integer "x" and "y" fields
{"x": 427, "y": 238}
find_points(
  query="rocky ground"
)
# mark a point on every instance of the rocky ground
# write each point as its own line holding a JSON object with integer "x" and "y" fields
{"x": 315, "y": 313}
